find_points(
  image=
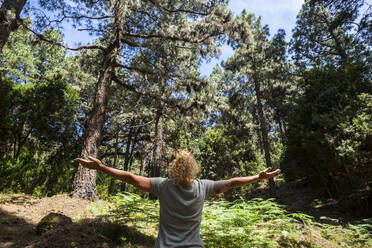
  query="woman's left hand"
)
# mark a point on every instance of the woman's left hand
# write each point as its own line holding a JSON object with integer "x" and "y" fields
{"x": 90, "y": 163}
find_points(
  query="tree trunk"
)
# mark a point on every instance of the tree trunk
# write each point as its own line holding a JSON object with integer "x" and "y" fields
{"x": 156, "y": 164}
{"x": 143, "y": 159}
{"x": 260, "y": 143}
{"x": 264, "y": 132}
{"x": 116, "y": 157}
{"x": 281, "y": 129}
{"x": 9, "y": 16}
{"x": 84, "y": 185}
{"x": 127, "y": 156}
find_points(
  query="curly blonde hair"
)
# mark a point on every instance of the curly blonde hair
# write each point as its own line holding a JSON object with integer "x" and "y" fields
{"x": 182, "y": 167}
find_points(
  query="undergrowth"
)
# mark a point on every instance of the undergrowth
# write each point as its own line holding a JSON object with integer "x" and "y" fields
{"x": 253, "y": 223}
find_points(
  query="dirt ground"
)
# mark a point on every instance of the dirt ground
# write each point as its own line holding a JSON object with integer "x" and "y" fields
{"x": 19, "y": 215}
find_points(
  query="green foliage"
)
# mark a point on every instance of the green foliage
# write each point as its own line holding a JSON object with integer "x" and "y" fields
{"x": 356, "y": 144}
{"x": 253, "y": 223}
{"x": 25, "y": 59}
{"x": 329, "y": 130}
{"x": 323, "y": 113}
{"x": 224, "y": 154}
{"x": 129, "y": 206}
{"x": 325, "y": 33}
{"x": 38, "y": 109}
{"x": 257, "y": 81}
{"x": 328, "y": 140}
{"x": 34, "y": 172}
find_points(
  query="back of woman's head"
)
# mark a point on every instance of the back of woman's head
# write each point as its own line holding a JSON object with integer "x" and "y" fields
{"x": 182, "y": 167}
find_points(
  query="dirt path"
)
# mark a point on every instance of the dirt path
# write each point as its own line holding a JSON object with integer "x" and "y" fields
{"x": 19, "y": 215}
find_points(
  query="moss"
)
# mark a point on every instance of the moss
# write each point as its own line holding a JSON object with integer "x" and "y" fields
{"x": 51, "y": 221}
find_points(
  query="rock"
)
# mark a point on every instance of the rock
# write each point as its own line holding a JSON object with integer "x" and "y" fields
{"x": 52, "y": 221}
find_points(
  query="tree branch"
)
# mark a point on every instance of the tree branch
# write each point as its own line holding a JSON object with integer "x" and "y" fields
{"x": 43, "y": 38}
{"x": 160, "y": 99}
{"x": 142, "y": 70}
{"x": 179, "y": 10}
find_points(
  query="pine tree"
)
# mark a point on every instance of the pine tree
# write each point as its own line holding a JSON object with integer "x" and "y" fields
{"x": 331, "y": 32}
{"x": 254, "y": 68}
{"x": 127, "y": 26}
{"x": 331, "y": 45}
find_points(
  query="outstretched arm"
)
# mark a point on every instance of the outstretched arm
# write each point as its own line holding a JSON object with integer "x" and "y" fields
{"x": 225, "y": 185}
{"x": 141, "y": 183}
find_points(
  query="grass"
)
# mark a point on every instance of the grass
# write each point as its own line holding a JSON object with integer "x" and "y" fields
{"x": 254, "y": 223}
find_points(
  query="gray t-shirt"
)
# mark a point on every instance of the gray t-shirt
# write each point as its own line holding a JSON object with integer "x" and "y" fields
{"x": 180, "y": 211}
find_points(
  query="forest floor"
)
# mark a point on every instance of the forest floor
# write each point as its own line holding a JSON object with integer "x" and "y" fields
{"x": 90, "y": 227}
{"x": 20, "y": 214}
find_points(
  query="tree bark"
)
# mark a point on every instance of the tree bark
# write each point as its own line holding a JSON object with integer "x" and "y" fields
{"x": 281, "y": 129}
{"x": 9, "y": 16}
{"x": 84, "y": 185}
{"x": 116, "y": 157}
{"x": 264, "y": 132}
{"x": 156, "y": 161}
{"x": 156, "y": 166}
{"x": 143, "y": 159}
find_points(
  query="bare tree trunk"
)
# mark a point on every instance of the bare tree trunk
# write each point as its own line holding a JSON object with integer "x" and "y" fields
{"x": 84, "y": 185}
{"x": 264, "y": 132}
{"x": 155, "y": 170}
{"x": 284, "y": 126}
{"x": 127, "y": 155}
{"x": 281, "y": 129}
{"x": 143, "y": 159}
{"x": 9, "y": 17}
{"x": 116, "y": 157}
{"x": 156, "y": 164}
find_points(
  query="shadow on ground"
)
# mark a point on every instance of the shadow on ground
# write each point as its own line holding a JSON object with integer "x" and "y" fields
{"x": 17, "y": 232}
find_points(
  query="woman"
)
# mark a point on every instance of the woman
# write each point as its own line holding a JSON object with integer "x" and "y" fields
{"x": 181, "y": 196}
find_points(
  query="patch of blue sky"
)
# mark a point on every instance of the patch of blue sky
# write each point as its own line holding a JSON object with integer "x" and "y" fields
{"x": 277, "y": 14}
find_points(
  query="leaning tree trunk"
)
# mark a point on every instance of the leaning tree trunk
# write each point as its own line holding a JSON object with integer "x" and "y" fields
{"x": 264, "y": 132}
{"x": 84, "y": 185}
{"x": 9, "y": 17}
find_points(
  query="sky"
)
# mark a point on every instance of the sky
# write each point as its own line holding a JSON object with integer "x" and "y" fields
{"x": 275, "y": 13}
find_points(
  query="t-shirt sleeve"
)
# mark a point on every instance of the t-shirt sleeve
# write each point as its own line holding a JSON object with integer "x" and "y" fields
{"x": 155, "y": 184}
{"x": 208, "y": 186}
